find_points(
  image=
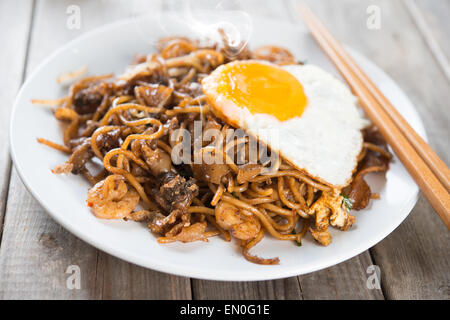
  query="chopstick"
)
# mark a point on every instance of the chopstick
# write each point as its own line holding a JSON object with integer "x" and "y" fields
{"x": 430, "y": 157}
{"x": 425, "y": 167}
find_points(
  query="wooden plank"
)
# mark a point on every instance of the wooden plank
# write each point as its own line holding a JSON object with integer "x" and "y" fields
{"x": 36, "y": 252}
{"x": 344, "y": 281}
{"x": 431, "y": 18}
{"x": 414, "y": 259}
{"x": 12, "y": 60}
{"x": 122, "y": 280}
{"x": 24, "y": 281}
{"x": 288, "y": 289}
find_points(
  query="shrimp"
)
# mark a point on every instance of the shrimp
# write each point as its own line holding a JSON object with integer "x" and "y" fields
{"x": 242, "y": 226}
{"x": 111, "y": 199}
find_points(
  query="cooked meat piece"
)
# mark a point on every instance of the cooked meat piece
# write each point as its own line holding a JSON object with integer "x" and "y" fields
{"x": 158, "y": 223}
{"x": 153, "y": 70}
{"x": 80, "y": 156}
{"x": 372, "y": 158}
{"x": 209, "y": 133}
{"x": 137, "y": 171}
{"x": 194, "y": 232}
{"x": 341, "y": 219}
{"x": 176, "y": 228}
{"x": 73, "y": 143}
{"x": 155, "y": 95}
{"x": 210, "y": 172}
{"x": 138, "y": 216}
{"x": 329, "y": 209}
{"x": 193, "y": 89}
{"x": 248, "y": 171}
{"x": 359, "y": 194}
{"x": 109, "y": 140}
{"x": 82, "y": 153}
{"x": 158, "y": 160}
{"x": 87, "y": 100}
{"x": 175, "y": 192}
{"x": 322, "y": 215}
{"x": 171, "y": 125}
{"x": 323, "y": 237}
{"x": 374, "y": 136}
{"x": 359, "y": 191}
{"x": 64, "y": 168}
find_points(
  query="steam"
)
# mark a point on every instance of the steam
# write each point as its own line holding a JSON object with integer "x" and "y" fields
{"x": 213, "y": 24}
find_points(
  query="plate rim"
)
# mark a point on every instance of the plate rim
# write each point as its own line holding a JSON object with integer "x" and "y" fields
{"x": 173, "y": 268}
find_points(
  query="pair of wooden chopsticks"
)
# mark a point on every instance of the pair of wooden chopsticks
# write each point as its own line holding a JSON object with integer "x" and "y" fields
{"x": 423, "y": 164}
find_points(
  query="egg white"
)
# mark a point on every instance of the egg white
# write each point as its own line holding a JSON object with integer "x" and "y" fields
{"x": 326, "y": 139}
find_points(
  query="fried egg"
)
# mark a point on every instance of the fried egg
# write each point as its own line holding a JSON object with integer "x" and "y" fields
{"x": 301, "y": 111}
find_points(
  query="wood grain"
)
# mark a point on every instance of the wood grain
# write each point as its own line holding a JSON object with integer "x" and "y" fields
{"x": 431, "y": 18}
{"x": 284, "y": 289}
{"x": 12, "y": 64}
{"x": 35, "y": 251}
{"x": 345, "y": 281}
{"x": 414, "y": 259}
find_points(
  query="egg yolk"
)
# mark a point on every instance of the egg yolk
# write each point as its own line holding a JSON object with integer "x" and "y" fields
{"x": 262, "y": 88}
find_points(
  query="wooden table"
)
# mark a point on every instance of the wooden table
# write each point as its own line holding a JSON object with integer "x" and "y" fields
{"x": 412, "y": 45}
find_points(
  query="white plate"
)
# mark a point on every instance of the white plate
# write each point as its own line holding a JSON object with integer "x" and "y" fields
{"x": 111, "y": 48}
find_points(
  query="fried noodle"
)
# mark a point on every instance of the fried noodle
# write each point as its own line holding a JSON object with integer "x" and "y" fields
{"x": 129, "y": 123}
